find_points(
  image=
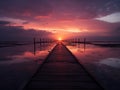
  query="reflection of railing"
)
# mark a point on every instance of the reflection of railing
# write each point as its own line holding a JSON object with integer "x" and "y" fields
{"x": 77, "y": 42}
{"x": 81, "y": 47}
{"x": 41, "y": 41}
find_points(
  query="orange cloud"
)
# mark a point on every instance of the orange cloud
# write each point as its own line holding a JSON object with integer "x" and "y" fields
{"x": 43, "y": 17}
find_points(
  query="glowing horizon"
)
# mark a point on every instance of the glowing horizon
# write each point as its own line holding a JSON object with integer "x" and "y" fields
{"x": 60, "y": 39}
{"x": 74, "y": 18}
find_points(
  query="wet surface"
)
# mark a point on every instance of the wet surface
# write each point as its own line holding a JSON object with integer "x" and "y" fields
{"x": 18, "y": 63}
{"x": 102, "y": 62}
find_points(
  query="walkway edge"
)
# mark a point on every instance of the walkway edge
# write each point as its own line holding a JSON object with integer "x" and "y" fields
{"x": 85, "y": 69}
{"x": 39, "y": 67}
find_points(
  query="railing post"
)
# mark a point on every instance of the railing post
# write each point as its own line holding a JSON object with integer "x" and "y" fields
{"x": 40, "y": 41}
{"x": 34, "y": 45}
{"x": 84, "y": 40}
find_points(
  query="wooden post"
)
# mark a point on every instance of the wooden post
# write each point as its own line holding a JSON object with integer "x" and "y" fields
{"x": 40, "y": 41}
{"x": 34, "y": 45}
{"x": 43, "y": 40}
{"x": 84, "y": 40}
{"x": 84, "y": 44}
{"x": 78, "y": 45}
{"x": 78, "y": 40}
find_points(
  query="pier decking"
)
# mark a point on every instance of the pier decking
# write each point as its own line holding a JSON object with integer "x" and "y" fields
{"x": 62, "y": 71}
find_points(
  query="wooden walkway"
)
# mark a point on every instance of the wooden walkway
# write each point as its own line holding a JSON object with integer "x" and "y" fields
{"x": 62, "y": 71}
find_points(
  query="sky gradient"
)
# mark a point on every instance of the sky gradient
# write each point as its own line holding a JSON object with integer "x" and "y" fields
{"x": 93, "y": 19}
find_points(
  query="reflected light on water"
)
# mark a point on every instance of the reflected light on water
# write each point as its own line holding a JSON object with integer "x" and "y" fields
{"x": 25, "y": 57}
{"x": 19, "y": 63}
{"x": 102, "y": 62}
{"x": 91, "y": 53}
{"x": 113, "y": 62}
{"x": 14, "y": 55}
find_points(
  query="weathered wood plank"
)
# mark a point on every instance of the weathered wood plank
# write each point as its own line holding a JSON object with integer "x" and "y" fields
{"x": 61, "y": 71}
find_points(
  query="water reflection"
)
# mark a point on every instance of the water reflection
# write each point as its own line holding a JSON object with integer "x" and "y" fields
{"x": 102, "y": 62}
{"x": 18, "y": 54}
{"x": 18, "y": 63}
{"x": 113, "y": 62}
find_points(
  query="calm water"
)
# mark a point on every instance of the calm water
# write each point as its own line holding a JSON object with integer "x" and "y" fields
{"x": 102, "y": 62}
{"x": 18, "y": 63}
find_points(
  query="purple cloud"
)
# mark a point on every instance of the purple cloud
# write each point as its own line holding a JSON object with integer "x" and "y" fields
{"x": 19, "y": 33}
{"x": 24, "y": 7}
{"x": 3, "y": 23}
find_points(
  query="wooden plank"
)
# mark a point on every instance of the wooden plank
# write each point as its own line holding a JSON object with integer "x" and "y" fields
{"x": 62, "y": 71}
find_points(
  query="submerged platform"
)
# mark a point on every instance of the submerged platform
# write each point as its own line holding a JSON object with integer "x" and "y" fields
{"x": 62, "y": 71}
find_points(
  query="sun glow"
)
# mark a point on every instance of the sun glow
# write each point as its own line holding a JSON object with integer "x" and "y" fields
{"x": 60, "y": 39}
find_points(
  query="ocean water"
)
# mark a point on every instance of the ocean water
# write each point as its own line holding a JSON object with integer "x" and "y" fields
{"x": 103, "y": 63}
{"x": 19, "y": 63}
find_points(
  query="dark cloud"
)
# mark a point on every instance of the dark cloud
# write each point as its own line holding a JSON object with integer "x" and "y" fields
{"x": 58, "y": 14}
{"x": 87, "y": 8}
{"x": 24, "y": 7}
{"x": 2, "y": 23}
{"x": 18, "y": 33}
{"x": 115, "y": 32}
{"x": 25, "y": 23}
{"x": 81, "y": 8}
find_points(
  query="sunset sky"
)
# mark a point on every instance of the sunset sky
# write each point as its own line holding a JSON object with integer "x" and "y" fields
{"x": 93, "y": 19}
